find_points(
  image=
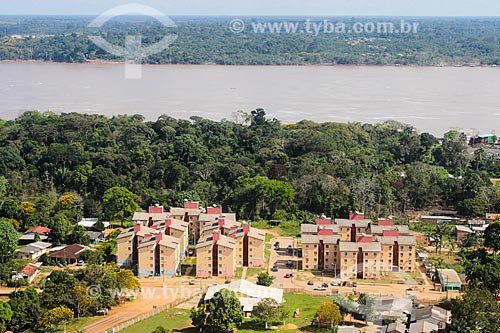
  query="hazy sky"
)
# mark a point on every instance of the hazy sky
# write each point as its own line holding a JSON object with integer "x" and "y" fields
{"x": 266, "y": 7}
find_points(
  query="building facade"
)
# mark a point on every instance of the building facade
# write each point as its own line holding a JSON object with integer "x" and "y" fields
{"x": 357, "y": 248}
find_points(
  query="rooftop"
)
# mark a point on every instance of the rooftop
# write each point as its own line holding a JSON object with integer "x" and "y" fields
{"x": 354, "y": 247}
{"x": 448, "y": 276}
{"x": 69, "y": 252}
{"x": 247, "y": 289}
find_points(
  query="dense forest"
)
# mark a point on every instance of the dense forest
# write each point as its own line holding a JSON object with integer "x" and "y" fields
{"x": 56, "y": 168}
{"x": 439, "y": 42}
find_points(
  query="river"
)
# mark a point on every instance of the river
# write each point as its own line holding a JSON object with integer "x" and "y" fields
{"x": 429, "y": 98}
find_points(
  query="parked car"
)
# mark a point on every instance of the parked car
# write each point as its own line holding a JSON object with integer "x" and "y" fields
{"x": 214, "y": 284}
{"x": 275, "y": 268}
{"x": 334, "y": 283}
{"x": 287, "y": 276}
{"x": 80, "y": 263}
{"x": 277, "y": 244}
{"x": 310, "y": 283}
{"x": 102, "y": 312}
{"x": 190, "y": 252}
{"x": 320, "y": 288}
{"x": 192, "y": 282}
{"x": 325, "y": 285}
{"x": 354, "y": 284}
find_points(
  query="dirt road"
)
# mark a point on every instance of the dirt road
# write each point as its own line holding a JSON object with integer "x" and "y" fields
{"x": 155, "y": 293}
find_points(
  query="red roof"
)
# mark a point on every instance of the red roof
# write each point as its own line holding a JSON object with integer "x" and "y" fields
{"x": 356, "y": 216}
{"x": 325, "y": 232}
{"x": 29, "y": 269}
{"x": 69, "y": 252}
{"x": 385, "y": 222}
{"x": 325, "y": 221}
{"x": 191, "y": 205}
{"x": 39, "y": 230}
{"x": 390, "y": 232}
{"x": 214, "y": 210}
{"x": 364, "y": 239}
{"x": 155, "y": 210}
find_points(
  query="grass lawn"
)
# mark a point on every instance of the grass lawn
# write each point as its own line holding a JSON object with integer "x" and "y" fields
{"x": 253, "y": 271}
{"x": 286, "y": 228}
{"x": 174, "y": 319}
{"x": 238, "y": 273}
{"x": 79, "y": 324}
{"x": 178, "y": 319}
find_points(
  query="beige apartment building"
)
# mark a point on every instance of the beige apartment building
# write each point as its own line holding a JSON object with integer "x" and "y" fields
{"x": 158, "y": 256}
{"x": 320, "y": 252}
{"x": 250, "y": 242}
{"x": 216, "y": 256}
{"x": 127, "y": 243}
{"x": 357, "y": 248}
{"x": 198, "y": 217}
{"x": 175, "y": 228}
{"x": 155, "y": 245}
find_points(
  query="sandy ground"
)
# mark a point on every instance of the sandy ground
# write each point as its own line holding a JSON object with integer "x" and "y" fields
{"x": 155, "y": 292}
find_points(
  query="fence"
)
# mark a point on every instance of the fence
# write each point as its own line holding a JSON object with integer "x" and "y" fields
{"x": 145, "y": 316}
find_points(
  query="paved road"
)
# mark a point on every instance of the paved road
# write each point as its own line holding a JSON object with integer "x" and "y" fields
{"x": 280, "y": 258}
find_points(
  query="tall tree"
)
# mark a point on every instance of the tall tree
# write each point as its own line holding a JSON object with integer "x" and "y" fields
{"x": 8, "y": 239}
{"x": 475, "y": 311}
{"x": 119, "y": 203}
{"x": 492, "y": 236}
{"x": 268, "y": 310}
{"x": 328, "y": 315}
{"x": 222, "y": 312}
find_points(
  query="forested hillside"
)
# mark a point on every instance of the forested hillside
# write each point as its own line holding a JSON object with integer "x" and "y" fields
{"x": 438, "y": 41}
{"x": 258, "y": 168}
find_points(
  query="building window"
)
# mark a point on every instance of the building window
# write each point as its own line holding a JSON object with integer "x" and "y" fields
{"x": 129, "y": 249}
{"x": 327, "y": 246}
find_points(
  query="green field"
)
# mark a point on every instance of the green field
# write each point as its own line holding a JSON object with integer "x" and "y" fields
{"x": 178, "y": 319}
{"x": 286, "y": 228}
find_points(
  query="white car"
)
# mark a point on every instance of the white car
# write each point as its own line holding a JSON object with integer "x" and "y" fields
{"x": 320, "y": 288}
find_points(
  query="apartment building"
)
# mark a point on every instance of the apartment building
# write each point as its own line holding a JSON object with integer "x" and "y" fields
{"x": 158, "y": 256}
{"x": 358, "y": 260}
{"x": 320, "y": 252}
{"x": 357, "y": 248}
{"x": 175, "y": 228}
{"x": 250, "y": 244}
{"x": 216, "y": 256}
{"x": 127, "y": 243}
{"x": 190, "y": 214}
{"x": 155, "y": 250}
